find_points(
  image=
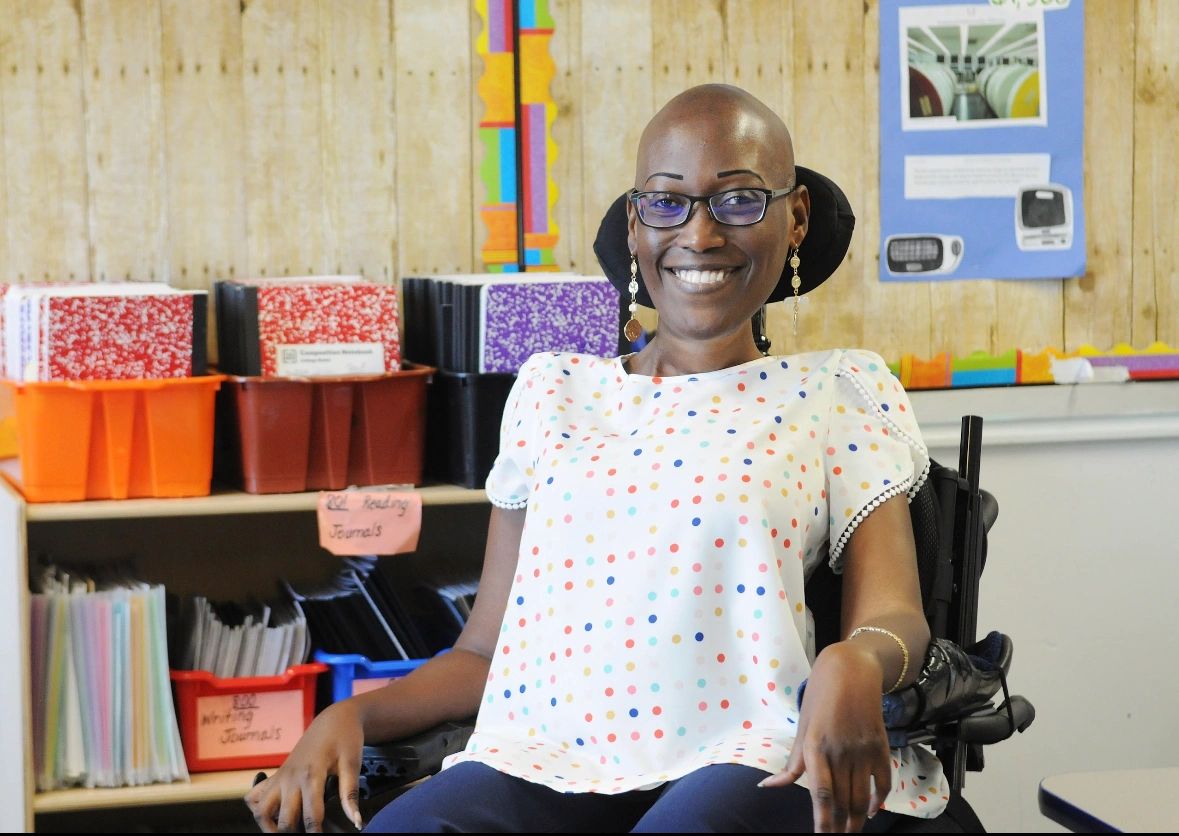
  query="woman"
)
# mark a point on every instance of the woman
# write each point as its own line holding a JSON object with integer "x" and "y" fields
{"x": 640, "y": 636}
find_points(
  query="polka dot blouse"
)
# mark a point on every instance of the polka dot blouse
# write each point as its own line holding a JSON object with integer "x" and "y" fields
{"x": 656, "y": 623}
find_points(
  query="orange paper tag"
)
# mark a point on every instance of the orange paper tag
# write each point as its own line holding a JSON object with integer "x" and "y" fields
{"x": 369, "y": 522}
{"x": 238, "y": 725}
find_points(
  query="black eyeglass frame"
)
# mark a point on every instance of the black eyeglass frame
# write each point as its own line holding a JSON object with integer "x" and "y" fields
{"x": 770, "y": 194}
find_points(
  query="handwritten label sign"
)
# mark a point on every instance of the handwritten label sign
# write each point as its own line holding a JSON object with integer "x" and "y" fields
{"x": 363, "y": 686}
{"x": 369, "y": 522}
{"x": 248, "y": 724}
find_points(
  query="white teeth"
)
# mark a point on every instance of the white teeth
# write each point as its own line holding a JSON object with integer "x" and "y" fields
{"x": 700, "y": 276}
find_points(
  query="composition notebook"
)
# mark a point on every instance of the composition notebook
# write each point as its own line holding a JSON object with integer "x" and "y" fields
{"x": 492, "y": 322}
{"x": 313, "y": 326}
{"x": 102, "y": 331}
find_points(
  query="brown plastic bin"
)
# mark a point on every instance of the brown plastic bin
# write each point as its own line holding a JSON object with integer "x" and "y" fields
{"x": 288, "y": 435}
{"x": 331, "y": 434}
{"x": 389, "y": 429}
{"x": 268, "y": 423}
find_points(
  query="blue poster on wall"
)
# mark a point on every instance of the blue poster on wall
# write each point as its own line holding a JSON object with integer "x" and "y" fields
{"x": 981, "y": 139}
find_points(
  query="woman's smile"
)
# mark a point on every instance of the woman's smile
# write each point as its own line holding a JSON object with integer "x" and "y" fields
{"x": 699, "y": 279}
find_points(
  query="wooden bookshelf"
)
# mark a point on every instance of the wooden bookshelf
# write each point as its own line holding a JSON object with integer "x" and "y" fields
{"x": 220, "y": 503}
{"x": 204, "y": 786}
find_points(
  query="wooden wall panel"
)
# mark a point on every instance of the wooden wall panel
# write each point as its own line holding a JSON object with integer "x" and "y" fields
{"x": 573, "y": 252}
{"x": 687, "y": 46}
{"x": 436, "y": 178}
{"x": 125, "y": 140}
{"x": 828, "y": 136}
{"x": 757, "y": 51}
{"x": 1156, "y": 219}
{"x": 359, "y": 138}
{"x": 618, "y": 99}
{"x": 189, "y": 141}
{"x": 1097, "y": 307}
{"x": 204, "y": 141}
{"x": 281, "y": 43}
{"x": 44, "y": 157}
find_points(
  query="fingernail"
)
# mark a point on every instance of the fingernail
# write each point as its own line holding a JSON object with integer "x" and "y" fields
{"x": 762, "y": 782}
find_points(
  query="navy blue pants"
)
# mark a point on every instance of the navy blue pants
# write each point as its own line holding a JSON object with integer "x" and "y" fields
{"x": 471, "y": 797}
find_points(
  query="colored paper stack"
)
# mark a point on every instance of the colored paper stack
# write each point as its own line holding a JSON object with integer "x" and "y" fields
{"x": 102, "y": 702}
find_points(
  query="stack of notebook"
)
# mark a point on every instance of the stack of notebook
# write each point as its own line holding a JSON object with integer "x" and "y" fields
{"x": 363, "y": 611}
{"x": 229, "y": 639}
{"x": 102, "y": 331}
{"x": 317, "y": 326}
{"x": 492, "y": 323}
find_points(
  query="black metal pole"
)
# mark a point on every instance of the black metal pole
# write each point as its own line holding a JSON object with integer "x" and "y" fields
{"x": 519, "y": 114}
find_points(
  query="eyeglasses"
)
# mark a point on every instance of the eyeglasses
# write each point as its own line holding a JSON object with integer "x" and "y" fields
{"x": 735, "y": 207}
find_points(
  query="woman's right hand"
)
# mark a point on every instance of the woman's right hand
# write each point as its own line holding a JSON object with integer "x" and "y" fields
{"x": 331, "y": 745}
{"x": 447, "y": 687}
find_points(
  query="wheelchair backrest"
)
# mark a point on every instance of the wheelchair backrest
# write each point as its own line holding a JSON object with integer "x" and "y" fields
{"x": 941, "y": 517}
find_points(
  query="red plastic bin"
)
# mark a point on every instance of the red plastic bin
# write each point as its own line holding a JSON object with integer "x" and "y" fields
{"x": 243, "y": 722}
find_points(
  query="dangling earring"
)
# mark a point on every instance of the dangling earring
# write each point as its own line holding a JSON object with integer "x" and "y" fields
{"x": 633, "y": 330}
{"x": 795, "y": 283}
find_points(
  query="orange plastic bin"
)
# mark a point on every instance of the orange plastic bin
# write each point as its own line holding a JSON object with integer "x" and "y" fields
{"x": 114, "y": 439}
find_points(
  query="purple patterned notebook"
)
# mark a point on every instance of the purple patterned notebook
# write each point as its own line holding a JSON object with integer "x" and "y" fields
{"x": 574, "y": 313}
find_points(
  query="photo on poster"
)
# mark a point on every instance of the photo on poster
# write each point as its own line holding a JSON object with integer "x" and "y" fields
{"x": 982, "y": 108}
{"x": 972, "y": 66}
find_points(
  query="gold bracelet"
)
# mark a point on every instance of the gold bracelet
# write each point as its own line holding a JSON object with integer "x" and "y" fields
{"x": 898, "y": 640}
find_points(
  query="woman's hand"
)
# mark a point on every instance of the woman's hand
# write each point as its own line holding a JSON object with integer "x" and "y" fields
{"x": 841, "y": 744}
{"x": 294, "y": 794}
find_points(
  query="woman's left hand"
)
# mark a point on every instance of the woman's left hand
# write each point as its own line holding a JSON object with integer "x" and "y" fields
{"x": 841, "y": 744}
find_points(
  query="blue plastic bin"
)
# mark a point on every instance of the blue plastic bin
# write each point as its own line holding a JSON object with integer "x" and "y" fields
{"x": 353, "y": 674}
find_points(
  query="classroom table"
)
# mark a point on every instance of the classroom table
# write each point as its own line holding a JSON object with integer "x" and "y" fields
{"x": 1113, "y": 801}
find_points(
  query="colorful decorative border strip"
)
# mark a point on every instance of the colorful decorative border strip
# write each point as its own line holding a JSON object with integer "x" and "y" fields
{"x": 1158, "y": 361}
{"x": 527, "y": 196}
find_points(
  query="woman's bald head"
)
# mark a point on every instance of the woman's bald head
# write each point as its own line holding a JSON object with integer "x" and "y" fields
{"x": 726, "y": 122}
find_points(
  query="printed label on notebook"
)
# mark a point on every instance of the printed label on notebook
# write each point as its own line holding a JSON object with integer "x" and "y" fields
{"x": 369, "y": 522}
{"x": 329, "y": 359}
{"x": 248, "y": 724}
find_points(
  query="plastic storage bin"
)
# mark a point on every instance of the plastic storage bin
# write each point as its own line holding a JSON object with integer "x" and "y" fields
{"x": 464, "y": 418}
{"x": 286, "y": 435}
{"x": 243, "y": 722}
{"x": 353, "y": 674}
{"x": 114, "y": 439}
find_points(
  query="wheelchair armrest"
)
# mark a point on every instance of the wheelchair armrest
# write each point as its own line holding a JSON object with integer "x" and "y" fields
{"x": 386, "y": 766}
{"x": 998, "y": 723}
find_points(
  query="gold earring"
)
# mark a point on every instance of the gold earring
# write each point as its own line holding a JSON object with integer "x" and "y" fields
{"x": 795, "y": 283}
{"x": 632, "y": 330}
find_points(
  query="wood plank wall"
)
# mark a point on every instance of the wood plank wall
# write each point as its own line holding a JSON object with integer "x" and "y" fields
{"x": 186, "y": 140}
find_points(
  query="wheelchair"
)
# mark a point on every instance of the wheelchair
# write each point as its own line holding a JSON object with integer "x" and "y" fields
{"x": 956, "y": 711}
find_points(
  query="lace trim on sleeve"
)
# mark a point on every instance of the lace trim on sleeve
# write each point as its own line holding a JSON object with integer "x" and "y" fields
{"x": 509, "y": 506}
{"x": 885, "y": 495}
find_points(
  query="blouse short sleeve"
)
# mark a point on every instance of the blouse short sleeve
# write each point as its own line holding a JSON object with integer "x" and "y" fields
{"x": 510, "y": 480}
{"x": 874, "y": 447}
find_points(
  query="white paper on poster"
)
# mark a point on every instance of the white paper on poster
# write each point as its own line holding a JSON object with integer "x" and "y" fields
{"x": 948, "y": 176}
